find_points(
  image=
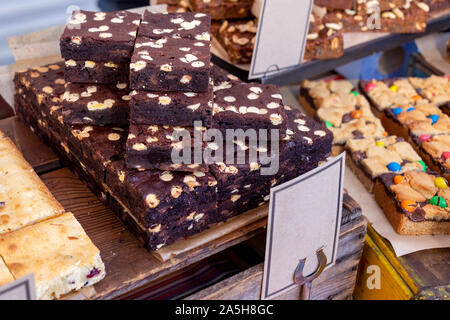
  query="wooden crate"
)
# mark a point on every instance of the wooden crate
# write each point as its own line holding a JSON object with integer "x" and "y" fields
{"x": 420, "y": 275}
{"x": 129, "y": 266}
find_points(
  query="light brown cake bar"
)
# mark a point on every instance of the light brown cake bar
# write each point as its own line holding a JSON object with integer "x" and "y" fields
{"x": 57, "y": 251}
{"x": 5, "y": 275}
{"x": 24, "y": 199}
{"x": 434, "y": 88}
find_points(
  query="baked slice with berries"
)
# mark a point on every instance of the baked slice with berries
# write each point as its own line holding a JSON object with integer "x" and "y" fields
{"x": 415, "y": 203}
{"x": 370, "y": 158}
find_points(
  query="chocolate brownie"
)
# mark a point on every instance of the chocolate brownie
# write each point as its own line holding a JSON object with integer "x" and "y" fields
{"x": 415, "y": 202}
{"x": 223, "y": 9}
{"x": 324, "y": 44}
{"x": 189, "y": 25}
{"x": 221, "y": 77}
{"x": 96, "y": 72}
{"x": 100, "y": 36}
{"x": 175, "y": 5}
{"x": 171, "y": 108}
{"x": 412, "y": 19}
{"x": 96, "y": 104}
{"x": 153, "y": 194}
{"x": 170, "y": 64}
{"x": 335, "y": 4}
{"x": 248, "y": 106}
{"x": 238, "y": 39}
{"x": 151, "y": 147}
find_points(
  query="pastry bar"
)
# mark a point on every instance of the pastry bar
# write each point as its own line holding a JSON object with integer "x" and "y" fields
{"x": 5, "y": 274}
{"x": 415, "y": 203}
{"x": 322, "y": 44}
{"x": 370, "y": 158}
{"x": 238, "y": 39}
{"x": 100, "y": 36}
{"x": 412, "y": 19}
{"x": 171, "y": 108}
{"x": 22, "y": 204}
{"x": 248, "y": 106}
{"x": 96, "y": 104}
{"x": 390, "y": 93}
{"x": 223, "y": 9}
{"x": 153, "y": 146}
{"x": 435, "y": 151}
{"x": 345, "y": 112}
{"x": 189, "y": 25}
{"x": 61, "y": 256}
{"x": 335, "y": 4}
{"x": 434, "y": 88}
{"x": 175, "y": 5}
{"x": 170, "y": 64}
{"x": 88, "y": 71}
{"x": 416, "y": 120}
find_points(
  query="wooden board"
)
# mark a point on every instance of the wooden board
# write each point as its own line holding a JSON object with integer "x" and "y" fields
{"x": 336, "y": 282}
{"x": 128, "y": 265}
{"x": 40, "y": 157}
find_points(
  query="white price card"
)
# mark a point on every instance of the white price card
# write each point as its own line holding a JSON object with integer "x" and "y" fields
{"x": 281, "y": 38}
{"x": 304, "y": 216}
{"x": 20, "y": 289}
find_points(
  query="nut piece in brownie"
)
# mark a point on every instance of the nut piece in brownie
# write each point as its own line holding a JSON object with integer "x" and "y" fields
{"x": 100, "y": 36}
{"x": 415, "y": 203}
{"x": 369, "y": 158}
{"x": 390, "y": 93}
{"x": 223, "y": 9}
{"x": 161, "y": 197}
{"x": 189, "y": 25}
{"x": 151, "y": 147}
{"x": 410, "y": 19}
{"x": 96, "y": 72}
{"x": 59, "y": 254}
{"x": 170, "y": 64}
{"x": 248, "y": 106}
{"x": 345, "y": 112}
{"x": 171, "y": 108}
{"x": 96, "y": 104}
{"x": 435, "y": 150}
{"x": 238, "y": 39}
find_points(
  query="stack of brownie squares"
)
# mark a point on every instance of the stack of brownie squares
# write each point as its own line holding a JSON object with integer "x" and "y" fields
{"x": 118, "y": 134}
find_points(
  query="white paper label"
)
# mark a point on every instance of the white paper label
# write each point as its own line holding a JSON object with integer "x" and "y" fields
{"x": 304, "y": 215}
{"x": 21, "y": 289}
{"x": 281, "y": 37}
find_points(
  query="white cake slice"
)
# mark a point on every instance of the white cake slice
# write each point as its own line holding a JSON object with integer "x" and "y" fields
{"x": 57, "y": 251}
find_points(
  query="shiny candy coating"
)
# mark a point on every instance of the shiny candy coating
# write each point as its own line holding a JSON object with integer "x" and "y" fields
{"x": 397, "y": 111}
{"x": 424, "y": 166}
{"x": 356, "y": 114}
{"x": 399, "y": 179}
{"x": 394, "y": 166}
{"x": 354, "y": 93}
{"x": 328, "y": 124}
{"x": 425, "y": 137}
{"x": 440, "y": 183}
{"x": 438, "y": 201}
{"x": 370, "y": 86}
{"x": 410, "y": 109}
{"x": 416, "y": 98}
{"x": 409, "y": 205}
{"x": 434, "y": 118}
{"x": 380, "y": 144}
{"x": 445, "y": 155}
{"x": 393, "y": 88}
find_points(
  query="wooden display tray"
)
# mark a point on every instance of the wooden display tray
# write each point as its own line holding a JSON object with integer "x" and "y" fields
{"x": 130, "y": 266}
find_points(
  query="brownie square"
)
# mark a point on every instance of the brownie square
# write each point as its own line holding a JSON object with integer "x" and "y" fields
{"x": 188, "y": 25}
{"x": 151, "y": 146}
{"x": 171, "y": 108}
{"x": 161, "y": 197}
{"x": 170, "y": 64}
{"x": 223, "y": 9}
{"x": 96, "y": 104}
{"x": 96, "y": 72}
{"x": 100, "y": 36}
{"x": 221, "y": 78}
{"x": 248, "y": 106}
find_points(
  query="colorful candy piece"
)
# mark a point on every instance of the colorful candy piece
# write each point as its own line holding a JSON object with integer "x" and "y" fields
{"x": 434, "y": 118}
{"x": 425, "y": 138}
{"x": 440, "y": 183}
{"x": 445, "y": 155}
{"x": 416, "y": 98}
{"x": 397, "y": 111}
{"x": 393, "y": 88}
{"x": 438, "y": 201}
{"x": 369, "y": 86}
{"x": 408, "y": 205}
{"x": 328, "y": 124}
{"x": 354, "y": 93}
{"x": 410, "y": 109}
{"x": 399, "y": 179}
{"x": 424, "y": 166}
{"x": 394, "y": 166}
{"x": 356, "y": 114}
{"x": 380, "y": 144}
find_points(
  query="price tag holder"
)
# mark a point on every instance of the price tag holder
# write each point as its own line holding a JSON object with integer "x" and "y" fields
{"x": 281, "y": 38}
{"x": 304, "y": 220}
{"x": 20, "y": 289}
